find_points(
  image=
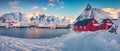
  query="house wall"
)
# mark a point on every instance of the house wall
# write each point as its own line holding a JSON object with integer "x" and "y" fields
{"x": 91, "y": 27}
{"x": 80, "y": 28}
{"x": 104, "y": 26}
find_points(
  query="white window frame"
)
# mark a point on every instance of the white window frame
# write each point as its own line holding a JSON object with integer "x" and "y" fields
{"x": 93, "y": 21}
{"x": 84, "y": 27}
{"x": 108, "y": 21}
{"x": 76, "y": 27}
{"x": 80, "y": 26}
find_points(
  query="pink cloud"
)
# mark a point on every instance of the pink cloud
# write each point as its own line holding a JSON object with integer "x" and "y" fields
{"x": 51, "y": 0}
{"x": 34, "y": 8}
{"x": 14, "y": 5}
{"x": 112, "y": 11}
{"x": 16, "y": 8}
{"x": 44, "y": 8}
{"x": 0, "y": 15}
{"x": 51, "y": 4}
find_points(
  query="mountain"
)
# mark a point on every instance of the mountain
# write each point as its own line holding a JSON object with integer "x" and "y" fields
{"x": 90, "y": 12}
{"x": 49, "y": 20}
{"x": 40, "y": 19}
{"x": 29, "y": 15}
{"x": 16, "y": 16}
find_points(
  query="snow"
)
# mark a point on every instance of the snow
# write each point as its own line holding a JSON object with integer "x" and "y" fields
{"x": 90, "y": 12}
{"x": 116, "y": 25}
{"x": 74, "y": 41}
{"x": 20, "y": 18}
{"x": 49, "y": 20}
{"x": 109, "y": 24}
{"x": 96, "y": 24}
{"x": 16, "y": 16}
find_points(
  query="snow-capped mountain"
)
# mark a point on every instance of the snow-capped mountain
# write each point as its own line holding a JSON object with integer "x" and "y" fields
{"x": 16, "y": 16}
{"x": 40, "y": 19}
{"x": 49, "y": 20}
{"x": 96, "y": 13}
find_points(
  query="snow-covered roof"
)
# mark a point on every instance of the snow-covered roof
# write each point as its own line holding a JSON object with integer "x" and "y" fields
{"x": 96, "y": 24}
{"x": 109, "y": 24}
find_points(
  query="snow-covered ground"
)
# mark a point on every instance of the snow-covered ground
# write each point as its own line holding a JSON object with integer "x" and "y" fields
{"x": 74, "y": 41}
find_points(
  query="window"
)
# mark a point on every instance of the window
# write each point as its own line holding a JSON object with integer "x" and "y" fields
{"x": 75, "y": 26}
{"x": 84, "y": 27}
{"x": 80, "y": 26}
{"x": 108, "y": 21}
{"x": 93, "y": 21}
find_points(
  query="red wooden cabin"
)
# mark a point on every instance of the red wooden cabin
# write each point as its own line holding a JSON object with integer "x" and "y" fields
{"x": 106, "y": 24}
{"x": 86, "y": 25}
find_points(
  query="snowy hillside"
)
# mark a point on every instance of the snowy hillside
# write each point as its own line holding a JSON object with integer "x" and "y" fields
{"x": 74, "y": 41}
{"x": 90, "y": 12}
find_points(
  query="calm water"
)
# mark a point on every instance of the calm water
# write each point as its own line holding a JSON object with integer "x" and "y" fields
{"x": 33, "y": 33}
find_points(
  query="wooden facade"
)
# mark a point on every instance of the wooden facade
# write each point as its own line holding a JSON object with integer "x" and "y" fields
{"x": 92, "y": 25}
{"x": 86, "y": 25}
{"x": 106, "y": 24}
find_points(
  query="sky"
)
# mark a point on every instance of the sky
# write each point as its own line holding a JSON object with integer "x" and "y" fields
{"x": 69, "y": 8}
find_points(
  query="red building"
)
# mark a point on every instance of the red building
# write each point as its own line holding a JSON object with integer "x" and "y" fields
{"x": 106, "y": 24}
{"x": 86, "y": 25}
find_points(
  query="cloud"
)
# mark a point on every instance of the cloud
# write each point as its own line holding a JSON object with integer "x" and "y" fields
{"x": 37, "y": 13}
{"x": 51, "y": 4}
{"x": 72, "y": 20}
{"x": 60, "y": 2}
{"x": 51, "y": 1}
{"x": 44, "y": 8}
{"x": 112, "y": 11}
{"x": 16, "y": 8}
{"x": 62, "y": 7}
{"x": 0, "y": 15}
{"x": 34, "y": 8}
{"x": 14, "y": 5}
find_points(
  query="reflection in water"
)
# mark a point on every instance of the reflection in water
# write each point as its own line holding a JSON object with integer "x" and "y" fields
{"x": 34, "y": 33}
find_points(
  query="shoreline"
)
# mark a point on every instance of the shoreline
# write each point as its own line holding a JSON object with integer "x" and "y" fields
{"x": 36, "y": 27}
